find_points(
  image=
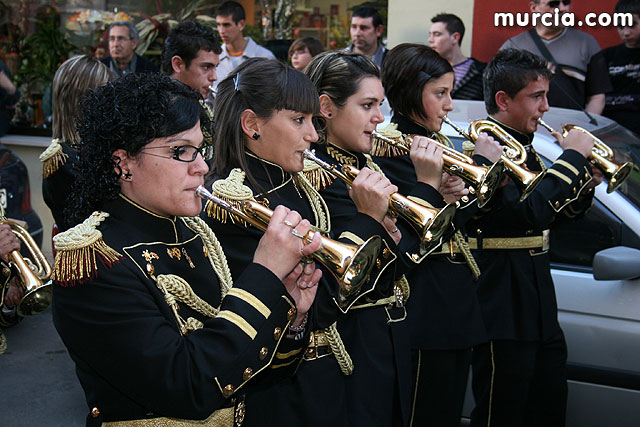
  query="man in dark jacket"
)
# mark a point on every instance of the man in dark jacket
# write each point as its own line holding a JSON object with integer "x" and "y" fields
{"x": 445, "y": 37}
{"x": 122, "y": 59}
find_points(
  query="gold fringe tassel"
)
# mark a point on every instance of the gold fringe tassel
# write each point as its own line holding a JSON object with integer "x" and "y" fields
{"x": 73, "y": 267}
{"x": 52, "y": 158}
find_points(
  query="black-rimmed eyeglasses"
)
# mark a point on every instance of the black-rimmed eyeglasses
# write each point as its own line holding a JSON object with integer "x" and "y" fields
{"x": 184, "y": 153}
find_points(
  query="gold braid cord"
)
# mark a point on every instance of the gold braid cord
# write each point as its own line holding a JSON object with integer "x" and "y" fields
{"x": 52, "y": 158}
{"x": 3, "y": 342}
{"x": 206, "y": 133}
{"x": 403, "y": 284}
{"x": 231, "y": 189}
{"x": 318, "y": 205}
{"x": 78, "y": 250}
{"x": 338, "y": 349}
{"x": 214, "y": 252}
{"x": 468, "y": 256}
{"x": 175, "y": 289}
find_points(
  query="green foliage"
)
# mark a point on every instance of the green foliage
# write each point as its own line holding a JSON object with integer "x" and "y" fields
{"x": 42, "y": 53}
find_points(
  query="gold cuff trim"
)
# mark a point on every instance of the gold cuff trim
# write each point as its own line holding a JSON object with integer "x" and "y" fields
{"x": 354, "y": 238}
{"x": 568, "y": 166}
{"x": 239, "y": 322}
{"x": 250, "y": 299}
{"x": 560, "y": 175}
{"x": 384, "y": 301}
{"x": 282, "y": 365}
{"x": 292, "y": 353}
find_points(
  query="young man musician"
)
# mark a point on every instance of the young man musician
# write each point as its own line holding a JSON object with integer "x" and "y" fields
{"x": 520, "y": 374}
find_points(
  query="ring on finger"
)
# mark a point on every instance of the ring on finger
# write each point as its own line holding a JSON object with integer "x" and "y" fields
{"x": 288, "y": 223}
{"x": 395, "y": 231}
{"x": 295, "y": 233}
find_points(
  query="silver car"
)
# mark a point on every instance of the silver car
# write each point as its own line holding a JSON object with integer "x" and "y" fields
{"x": 596, "y": 271}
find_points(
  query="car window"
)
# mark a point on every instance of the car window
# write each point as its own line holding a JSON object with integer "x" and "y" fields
{"x": 626, "y": 147}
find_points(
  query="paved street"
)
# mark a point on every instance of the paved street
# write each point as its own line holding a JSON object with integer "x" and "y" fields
{"x": 37, "y": 378}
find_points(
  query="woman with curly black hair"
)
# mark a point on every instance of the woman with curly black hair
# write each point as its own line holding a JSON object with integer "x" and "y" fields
{"x": 72, "y": 78}
{"x": 143, "y": 298}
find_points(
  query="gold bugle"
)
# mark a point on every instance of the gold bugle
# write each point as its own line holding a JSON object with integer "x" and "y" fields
{"x": 351, "y": 265}
{"x": 482, "y": 180}
{"x": 514, "y": 156}
{"x": 430, "y": 223}
{"x": 33, "y": 273}
{"x": 601, "y": 157}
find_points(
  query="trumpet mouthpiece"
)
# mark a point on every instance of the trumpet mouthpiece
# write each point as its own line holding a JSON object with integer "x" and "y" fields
{"x": 203, "y": 192}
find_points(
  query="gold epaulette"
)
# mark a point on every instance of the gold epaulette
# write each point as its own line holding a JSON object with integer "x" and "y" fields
{"x": 78, "y": 250}
{"x": 318, "y": 177}
{"x": 382, "y": 149}
{"x": 230, "y": 189}
{"x": 52, "y": 158}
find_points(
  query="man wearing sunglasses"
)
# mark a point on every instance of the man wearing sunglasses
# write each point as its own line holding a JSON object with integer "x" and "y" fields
{"x": 580, "y": 78}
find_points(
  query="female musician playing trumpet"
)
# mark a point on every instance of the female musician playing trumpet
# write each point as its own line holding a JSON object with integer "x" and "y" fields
{"x": 350, "y": 94}
{"x": 263, "y": 115}
{"x": 143, "y": 297}
{"x": 443, "y": 312}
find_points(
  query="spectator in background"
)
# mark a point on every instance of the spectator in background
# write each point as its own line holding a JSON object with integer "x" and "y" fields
{"x": 191, "y": 55}
{"x": 366, "y": 31}
{"x": 230, "y": 19}
{"x": 623, "y": 61}
{"x": 71, "y": 80}
{"x": 9, "y": 96}
{"x": 580, "y": 80}
{"x": 445, "y": 37}
{"x": 302, "y": 50}
{"x": 122, "y": 59}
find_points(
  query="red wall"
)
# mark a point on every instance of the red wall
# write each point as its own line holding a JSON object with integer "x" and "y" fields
{"x": 487, "y": 39}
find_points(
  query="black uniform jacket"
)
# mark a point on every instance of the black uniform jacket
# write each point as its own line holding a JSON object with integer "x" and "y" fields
{"x": 130, "y": 356}
{"x": 376, "y": 337}
{"x": 56, "y": 188}
{"x": 317, "y": 395}
{"x": 515, "y": 290}
{"x": 443, "y": 311}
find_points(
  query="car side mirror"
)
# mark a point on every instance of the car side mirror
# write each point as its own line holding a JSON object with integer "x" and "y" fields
{"x": 617, "y": 263}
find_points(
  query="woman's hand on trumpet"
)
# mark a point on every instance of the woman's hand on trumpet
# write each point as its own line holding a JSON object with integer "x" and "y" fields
{"x": 282, "y": 249}
{"x": 488, "y": 148}
{"x": 426, "y": 157}
{"x": 452, "y": 188}
{"x": 370, "y": 191}
{"x": 390, "y": 224}
{"x": 8, "y": 242}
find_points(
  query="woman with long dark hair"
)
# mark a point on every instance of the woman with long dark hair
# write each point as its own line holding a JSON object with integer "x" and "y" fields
{"x": 263, "y": 115}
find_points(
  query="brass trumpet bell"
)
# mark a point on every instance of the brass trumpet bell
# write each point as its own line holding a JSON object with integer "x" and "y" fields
{"x": 33, "y": 273}
{"x": 482, "y": 180}
{"x": 514, "y": 156}
{"x": 429, "y": 223}
{"x": 350, "y": 264}
{"x": 602, "y": 157}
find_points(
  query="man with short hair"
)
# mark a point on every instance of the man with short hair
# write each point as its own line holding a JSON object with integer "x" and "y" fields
{"x": 123, "y": 59}
{"x": 190, "y": 55}
{"x": 623, "y": 62}
{"x": 366, "y": 30}
{"x": 445, "y": 37}
{"x": 520, "y": 376}
{"x": 580, "y": 81}
{"x": 230, "y": 20}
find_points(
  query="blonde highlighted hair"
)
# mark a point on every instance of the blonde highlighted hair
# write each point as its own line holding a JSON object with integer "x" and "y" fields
{"x": 72, "y": 79}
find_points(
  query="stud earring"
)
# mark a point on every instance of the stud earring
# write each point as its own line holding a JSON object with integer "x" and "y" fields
{"x": 255, "y": 136}
{"x": 329, "y": 115}
{"x": 127, "y": 176}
